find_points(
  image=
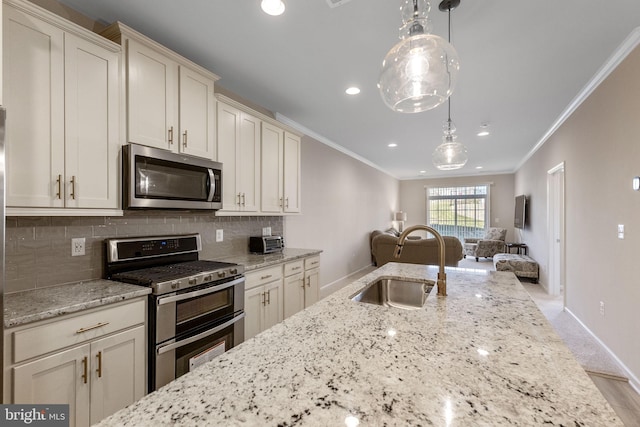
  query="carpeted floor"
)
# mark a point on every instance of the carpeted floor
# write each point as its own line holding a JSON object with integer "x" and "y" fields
{"x": 585, "y": 348}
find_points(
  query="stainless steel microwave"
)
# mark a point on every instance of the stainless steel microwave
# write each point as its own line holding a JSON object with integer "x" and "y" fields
{"x": 159, "y": 179}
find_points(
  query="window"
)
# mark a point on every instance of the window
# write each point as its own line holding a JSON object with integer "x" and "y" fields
{"x": 458, "y": 211}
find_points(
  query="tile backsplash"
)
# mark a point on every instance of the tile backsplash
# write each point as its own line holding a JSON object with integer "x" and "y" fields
{"x": 38, "y": 249}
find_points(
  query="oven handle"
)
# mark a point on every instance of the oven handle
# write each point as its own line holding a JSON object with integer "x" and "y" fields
{"x": 194, "y": 338}
{"x": 212, "y": 289}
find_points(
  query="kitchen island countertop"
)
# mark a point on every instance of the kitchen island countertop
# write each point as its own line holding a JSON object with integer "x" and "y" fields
{"x": 482, "y": 356}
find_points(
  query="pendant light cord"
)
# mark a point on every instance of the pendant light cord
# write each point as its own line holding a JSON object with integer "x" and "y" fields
{"x": 449, "y": 99}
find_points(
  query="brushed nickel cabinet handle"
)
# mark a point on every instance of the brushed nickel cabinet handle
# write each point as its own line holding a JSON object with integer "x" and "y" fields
{"x": 59, "y": 182}
{"x": 99, "y": 370}
{"x": 85, "y": 364}
{"x": 266, "y": 277}
{"x": 99, "y": 325}
{"x": 243, "y": 199}
{"x": 238, "y": 199}
{"x": 73, "y": 187}
{"x": 280, "y": 204}
{"x": 269, "y": 297}
{"x": 171, "y": 135}
{"x": 184, "y": 139}
{"x": 286, "y": 205}
{"x": 264, "y": 298}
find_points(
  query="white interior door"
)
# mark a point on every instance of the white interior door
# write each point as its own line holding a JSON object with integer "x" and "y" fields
{"x": 555, "y": 203}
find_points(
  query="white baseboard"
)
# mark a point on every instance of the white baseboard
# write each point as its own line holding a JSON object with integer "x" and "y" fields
{"x": 336, "y": 285}
{"x": 633, "y": 380}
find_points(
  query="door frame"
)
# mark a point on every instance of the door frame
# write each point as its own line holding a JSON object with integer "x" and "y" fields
{"x": 556, "y": 230}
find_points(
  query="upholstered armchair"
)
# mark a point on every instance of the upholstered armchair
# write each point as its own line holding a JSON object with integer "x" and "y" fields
{"x": 492, "y": 243}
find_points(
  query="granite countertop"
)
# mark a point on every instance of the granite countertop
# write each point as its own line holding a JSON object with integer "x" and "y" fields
{"x": 256, "y": 261}
{"x": 45, "y": 303}
{"x": 482, "y": 356}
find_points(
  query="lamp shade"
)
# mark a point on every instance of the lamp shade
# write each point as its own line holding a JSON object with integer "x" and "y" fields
{"x": 400, "y": 216}
{"x": 418, "y": 74}
{"x": 450, "y": 156}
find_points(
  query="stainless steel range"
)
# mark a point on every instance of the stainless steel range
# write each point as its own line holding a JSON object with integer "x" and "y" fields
{"x": 196, "y": 308}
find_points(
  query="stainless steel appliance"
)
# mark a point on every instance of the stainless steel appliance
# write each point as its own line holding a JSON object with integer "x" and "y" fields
{"x": 3, "y": 115}
{"x": 154, "y": 178}
{"x": 266, "y": 244}
{"x": 196, "y": 308}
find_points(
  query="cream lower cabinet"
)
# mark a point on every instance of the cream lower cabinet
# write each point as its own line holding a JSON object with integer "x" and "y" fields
{"x": 263, "y": 301}
{"x": 61, "y": 88}
{"x": 301, "y": 284}
{"x": 95, "y": 362}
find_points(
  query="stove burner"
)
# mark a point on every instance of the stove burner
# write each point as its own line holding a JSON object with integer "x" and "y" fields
{"x": 164, "y": 273}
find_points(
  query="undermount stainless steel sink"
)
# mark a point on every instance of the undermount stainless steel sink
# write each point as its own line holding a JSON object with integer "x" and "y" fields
{"x": 405, "y": 294}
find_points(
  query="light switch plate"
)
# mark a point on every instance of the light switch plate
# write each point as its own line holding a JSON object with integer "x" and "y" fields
{"x": 266, "y": 231}
{"x": 219, "y": 235}
{"x": 620, "y": 231}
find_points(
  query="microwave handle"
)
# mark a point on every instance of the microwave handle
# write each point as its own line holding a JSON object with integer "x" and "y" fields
{"x": 212, "y": 185}
{"x": 182, "y": 343}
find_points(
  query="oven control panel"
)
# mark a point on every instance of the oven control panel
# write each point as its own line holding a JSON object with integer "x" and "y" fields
{"x": 151, "y": 247}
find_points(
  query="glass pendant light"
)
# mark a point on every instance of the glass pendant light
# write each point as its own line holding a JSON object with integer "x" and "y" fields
{"x": 451, "y": 154}
{"x": 419, "y": 73}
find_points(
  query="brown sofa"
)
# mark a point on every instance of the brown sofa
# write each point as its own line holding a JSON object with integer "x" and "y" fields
{"x": 415, "y": 250}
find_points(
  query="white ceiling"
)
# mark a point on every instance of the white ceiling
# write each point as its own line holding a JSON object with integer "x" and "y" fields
{"x": 522, "y": 64}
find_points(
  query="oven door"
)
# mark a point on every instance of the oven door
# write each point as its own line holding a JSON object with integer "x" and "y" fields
{"x": 177, "y": 357}
{"x": 180, "y": 313}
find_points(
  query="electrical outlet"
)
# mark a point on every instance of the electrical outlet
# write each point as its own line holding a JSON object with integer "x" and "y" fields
{"x": 620, "y": 231}
{"x": 219, "y": 235}
{"x": 601, "y": 308}
{"x": 266, "y": 231}
{"x": 77, "y": 246}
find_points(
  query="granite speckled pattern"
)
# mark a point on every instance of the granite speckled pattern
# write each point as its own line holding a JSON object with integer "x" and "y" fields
{"x": 256, "y": 261}
{"x": 482, "y": 356}
{"x": 45, "y": 303}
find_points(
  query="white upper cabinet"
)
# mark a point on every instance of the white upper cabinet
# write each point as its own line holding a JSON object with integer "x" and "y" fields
{"x": 291, "y": 173}
{"x": 61, "y": 85}
{"x": 170, "y": 100}
{"x": 239, "y": 152}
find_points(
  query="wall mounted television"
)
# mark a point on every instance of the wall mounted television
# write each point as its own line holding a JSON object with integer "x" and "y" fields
{"x": 520, "y": 219}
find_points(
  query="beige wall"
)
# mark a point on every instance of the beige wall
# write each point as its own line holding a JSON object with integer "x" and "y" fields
{"x": 343, "y": 200}
{"x": 600, "y": 145}
{"x": 413, "y": 198}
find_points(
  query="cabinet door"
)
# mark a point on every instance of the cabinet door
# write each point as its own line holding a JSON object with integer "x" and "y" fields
{"x": 118, "y": 374}
{"x": 312, "y": 286}
{"x": 253, "y": 309}
{"x": 152, "y": 103}
{"x": 92, "y": 125}
{"x": 272, "y": 144}
{"x": 274, "y": 306}
{"x": 291, "y": 173}
{"x": 62, "y": 378}
{"x": 248, "y": 163}
{"x": 35, "y": 101}
{"x": 294, "y": 290}
{"x": 197, "y": 114}
{"x": 228, "y": 131}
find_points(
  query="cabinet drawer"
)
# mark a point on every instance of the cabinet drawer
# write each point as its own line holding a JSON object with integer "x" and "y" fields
{"x": 312, "y": 262}
{"x": 39, "y": 340}
{"x": 262, "y": 276}
{"x": 293, "y": 267}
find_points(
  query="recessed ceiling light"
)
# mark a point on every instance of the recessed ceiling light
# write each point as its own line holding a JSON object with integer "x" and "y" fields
{"x": 484, "y": 130}
{"x": 479, "y": 167}
{"x": 423, "y": 172}
{"x": 392, "y": 145}
{"x": 272, "y": 7}
{"x": 352, "y": 90}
